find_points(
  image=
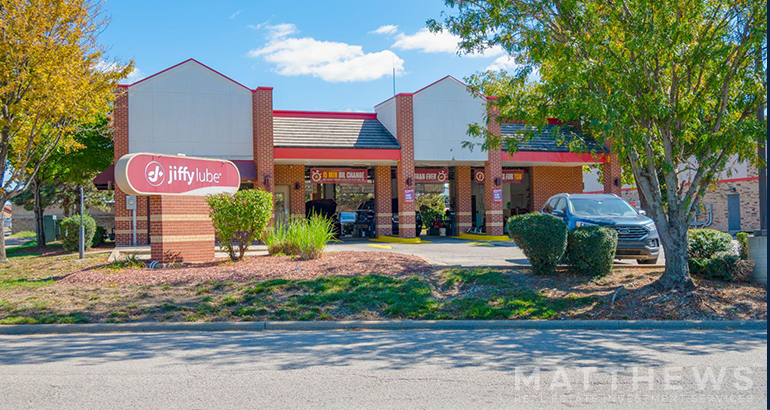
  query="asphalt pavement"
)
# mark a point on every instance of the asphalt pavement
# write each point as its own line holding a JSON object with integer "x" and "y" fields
{"x": 390, "y": 369}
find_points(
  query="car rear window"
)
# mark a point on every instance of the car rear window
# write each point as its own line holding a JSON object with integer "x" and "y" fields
{"x": 601, "y": 207}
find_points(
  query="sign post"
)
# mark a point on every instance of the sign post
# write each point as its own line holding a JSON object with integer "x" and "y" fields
{"x": 81, "y": 231}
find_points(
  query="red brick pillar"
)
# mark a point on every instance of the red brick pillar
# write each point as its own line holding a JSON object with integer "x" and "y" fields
{"x": 181, "y": 229}
{"x": 493, "y": 177}
{"x": 382, "y": 200}
{"x": 123, "y": 223}
{"x": 405, "y": 168}
{"x": 262, "y": 120}
{"x": 611, "y": 173}
{"x": 463, "y": 197}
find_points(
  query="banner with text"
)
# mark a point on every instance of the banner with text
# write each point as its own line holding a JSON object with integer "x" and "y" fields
{"x": 431, "y": 175}
{"x": 338, "y": 176}
{"x": 510, "y": 176}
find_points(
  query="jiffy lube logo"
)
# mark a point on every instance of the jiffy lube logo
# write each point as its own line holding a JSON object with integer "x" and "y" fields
{"x": 157, "y": 174}
{"x": 154, "y": 173}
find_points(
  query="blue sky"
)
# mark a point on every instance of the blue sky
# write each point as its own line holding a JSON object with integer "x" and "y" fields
{"x": 319, "y": 55}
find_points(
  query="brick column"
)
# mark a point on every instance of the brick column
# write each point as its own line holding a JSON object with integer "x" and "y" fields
{"x": 611, "y": 173}
{"x": 181, "y": 229}
{"x": 123, "y": 223}
{"x": 262, "y": 121}
{"x": 405, "y": 168}
{"x": 382, "y": 200}
{"x": 493, "y": 170}
{"x": 293, "y": 176}
{"x": 463, "y": 197}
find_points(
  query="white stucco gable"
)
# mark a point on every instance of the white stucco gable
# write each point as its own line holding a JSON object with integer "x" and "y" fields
{"x": 191, "y": 108}
{"x": 442, "y": 113}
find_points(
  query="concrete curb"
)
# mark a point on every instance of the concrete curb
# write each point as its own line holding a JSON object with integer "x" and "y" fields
{"x": 148, "y": 327}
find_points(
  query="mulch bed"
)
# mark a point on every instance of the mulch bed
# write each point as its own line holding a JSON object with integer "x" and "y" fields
{"x": 260, "y": 268}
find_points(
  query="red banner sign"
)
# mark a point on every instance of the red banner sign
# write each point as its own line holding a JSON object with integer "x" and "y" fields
{"x": 431, "y": 175}
{"x": 510, "y": 176}
{"x": 157, "y": 174}
{"x": 338, "y": 176}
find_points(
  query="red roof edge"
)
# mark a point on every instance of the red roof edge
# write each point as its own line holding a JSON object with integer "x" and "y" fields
{"x": 430, "y": 85}
{"x": 184, "y": 62}
{"x": 326, "y": 114}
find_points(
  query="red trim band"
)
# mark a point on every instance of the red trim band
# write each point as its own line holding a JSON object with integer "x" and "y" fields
{"x": 350, "y": 154}
{"x": 183, "y": 62}
{"x": 326, "y": 114}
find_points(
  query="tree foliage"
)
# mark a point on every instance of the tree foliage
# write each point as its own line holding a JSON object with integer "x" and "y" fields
{"x": 53, "y": 76}
{"x": 674, "y": 87}
{"x": 240, "y": 219}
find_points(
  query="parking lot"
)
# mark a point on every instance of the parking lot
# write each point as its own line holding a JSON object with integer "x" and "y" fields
{"x": 443, "y": 251}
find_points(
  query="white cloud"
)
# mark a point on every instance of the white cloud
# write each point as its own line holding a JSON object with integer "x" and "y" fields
{"x": 442, "y": 42}
{"x": 387, "y": 29}
{"x": 257, "y": 26}
{"x": 135, "y": 76}
{"x": 328, "y": 60}
{"x": 281, "y": 30}
{"x": 234, "y": 15}
{"x": 504, "y": 62}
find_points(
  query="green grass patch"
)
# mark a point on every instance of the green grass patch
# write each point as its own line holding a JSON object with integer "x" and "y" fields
{"x": 476, "y": 277}
{"x": 45, "y": 319}
{"x": 23, "y": 234}
{"x": 22, "y": 283}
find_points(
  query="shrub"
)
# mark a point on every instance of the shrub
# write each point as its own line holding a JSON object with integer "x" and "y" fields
{"x": 542, "y": 237}
{"x": 743, "y": 243}
{"x": 70, "y": 232}
{"x": 720, "y": 266}
{"x": 99, "y": 236}
{"x": 591, "y": 250}
{"x": 239, "y": 219}
{"x": 303, "y": 237}
{"x": 705, "y": 243}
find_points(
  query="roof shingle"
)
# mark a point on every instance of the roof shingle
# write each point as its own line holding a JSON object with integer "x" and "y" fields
{"x": 545, "y": 139}
{"x": 300, "y": 132}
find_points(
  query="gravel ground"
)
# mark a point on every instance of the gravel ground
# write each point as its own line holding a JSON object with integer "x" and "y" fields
{"x": 260, "y": 268}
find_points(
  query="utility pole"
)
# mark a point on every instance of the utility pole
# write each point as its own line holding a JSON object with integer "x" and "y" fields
{"x": 762, "y": 154}
{"x": 82, "y": 232}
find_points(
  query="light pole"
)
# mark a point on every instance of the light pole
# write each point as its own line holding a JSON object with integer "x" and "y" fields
{"x": 82, "y": 232}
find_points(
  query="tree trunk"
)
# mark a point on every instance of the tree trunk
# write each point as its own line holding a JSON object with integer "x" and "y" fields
{"x": 39, "y": 223}
{"x": 3, "y": 258}
{"x": 677, "y": 273}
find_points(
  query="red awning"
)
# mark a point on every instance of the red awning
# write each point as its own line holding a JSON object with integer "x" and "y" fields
{"x": 106, "y": 178}
{"x": 246, "y": 169}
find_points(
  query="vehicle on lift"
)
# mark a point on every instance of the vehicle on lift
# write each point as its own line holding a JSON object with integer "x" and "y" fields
{"x": 326, "y": 208}
{"x": 368, "y": 208}
{"x": 637, "y": 236}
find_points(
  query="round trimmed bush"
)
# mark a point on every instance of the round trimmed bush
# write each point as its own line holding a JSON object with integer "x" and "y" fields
{"x": 722, "y": 265}
{"x": 705, "y": 243}
{"x": 591, "y": 250}
{"x": 70, "y": 232}
{"x": 542, "y": 237}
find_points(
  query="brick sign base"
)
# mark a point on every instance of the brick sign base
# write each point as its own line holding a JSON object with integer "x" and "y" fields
{"x": 180, "y": 229}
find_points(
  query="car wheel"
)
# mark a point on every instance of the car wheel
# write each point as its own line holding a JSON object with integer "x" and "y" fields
{"x": 647, "y": 261}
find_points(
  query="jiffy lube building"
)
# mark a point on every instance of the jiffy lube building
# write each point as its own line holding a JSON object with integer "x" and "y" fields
{"x": 380, "y": 161}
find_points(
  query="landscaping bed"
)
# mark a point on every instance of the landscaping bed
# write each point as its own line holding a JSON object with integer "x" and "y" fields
{"x": 347, "y": 285}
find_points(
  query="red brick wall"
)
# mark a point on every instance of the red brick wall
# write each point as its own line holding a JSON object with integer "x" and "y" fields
{"x": 123, "y": 223}
{"x": 547, "y": 181}
{"x": 382, "y": 200}
{"x": 262, "y": 120}
{"x": 493, "y": 169}
{"x": 463, "y": 196}
{"x": 294, "y": 177}
{"x": 181, "y": 229}
{"x": 405, "y": 168}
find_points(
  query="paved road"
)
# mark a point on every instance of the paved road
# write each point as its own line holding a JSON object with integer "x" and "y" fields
{"x": 407, "y": 369}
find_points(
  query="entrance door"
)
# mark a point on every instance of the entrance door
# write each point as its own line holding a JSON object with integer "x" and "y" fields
{"x": 734, "y": 212}
{"x": 281, "y": 204}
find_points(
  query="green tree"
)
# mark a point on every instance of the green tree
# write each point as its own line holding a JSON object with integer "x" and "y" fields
{"x": 66, "y": 170}
{"x": 673, "y": 86}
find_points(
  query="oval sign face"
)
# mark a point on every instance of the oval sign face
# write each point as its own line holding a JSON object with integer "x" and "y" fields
{"x": 158, "y": 174}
